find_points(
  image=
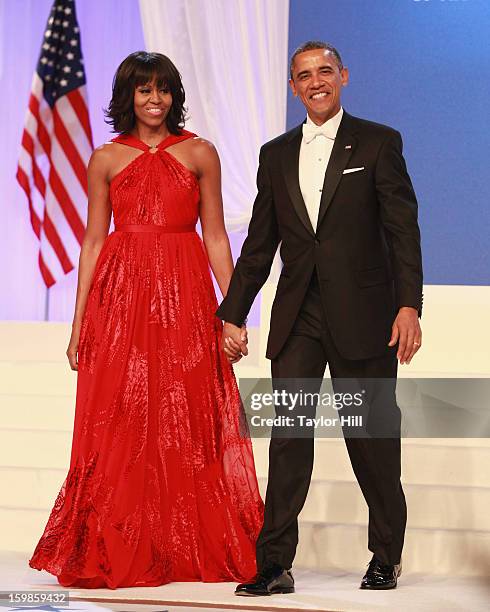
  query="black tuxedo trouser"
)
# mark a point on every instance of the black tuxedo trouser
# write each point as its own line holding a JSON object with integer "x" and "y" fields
{"x": 376, "y": 461}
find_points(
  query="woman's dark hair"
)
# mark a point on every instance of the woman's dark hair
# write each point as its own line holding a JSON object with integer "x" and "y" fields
{"x": 140, "y": 68}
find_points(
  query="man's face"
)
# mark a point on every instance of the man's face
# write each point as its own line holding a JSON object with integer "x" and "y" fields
{"x": 318, "y": 82}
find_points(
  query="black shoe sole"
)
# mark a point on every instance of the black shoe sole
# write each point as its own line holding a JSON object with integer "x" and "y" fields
{"x": 284, "y": 591}
{"x": 377, "y": 588}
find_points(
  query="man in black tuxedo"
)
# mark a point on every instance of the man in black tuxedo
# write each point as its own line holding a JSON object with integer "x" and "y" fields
{"x": 335, "y": 193}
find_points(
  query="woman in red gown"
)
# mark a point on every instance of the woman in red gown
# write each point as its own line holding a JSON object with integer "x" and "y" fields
{"x": 162, "y": 484}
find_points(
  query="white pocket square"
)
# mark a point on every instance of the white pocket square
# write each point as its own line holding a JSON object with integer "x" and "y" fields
{"x": 349, "y": 170}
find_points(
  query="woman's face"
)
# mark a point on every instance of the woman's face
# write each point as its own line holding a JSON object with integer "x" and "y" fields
{"x": 152, "y": 104}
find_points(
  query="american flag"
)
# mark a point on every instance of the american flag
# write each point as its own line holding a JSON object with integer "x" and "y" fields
{"x": 56, "y": 145}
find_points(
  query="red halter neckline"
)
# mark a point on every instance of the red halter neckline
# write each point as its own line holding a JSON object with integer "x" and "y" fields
{"x": 171, "y": 139}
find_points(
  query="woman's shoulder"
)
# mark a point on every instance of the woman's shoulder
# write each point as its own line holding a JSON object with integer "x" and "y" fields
{"x": 201, "y": 147}
{"x": 104, "y": 150}
{"x": 103, "y": 156}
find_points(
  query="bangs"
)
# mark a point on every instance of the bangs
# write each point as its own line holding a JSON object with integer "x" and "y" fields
{"x": 147, "y": 72}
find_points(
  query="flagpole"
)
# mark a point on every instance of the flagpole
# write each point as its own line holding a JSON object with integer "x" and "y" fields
{"x": 46, "y": 305}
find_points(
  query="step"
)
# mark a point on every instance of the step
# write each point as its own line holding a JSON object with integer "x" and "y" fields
{"x": 35, "y": 341}
{"x": 430, "y": 551}
{"x": 36, "y": 378}
{"x": 33, "y": 448}
{"x": 322, "y": 547}
{"x": 443, "y": 305}
{"x": 455, "y": 462}
{"x": 41, "y": 341}
{"x": 22, "y": 528}
{"x": 423, "y": 462}
{"x": 42, "y": 412}
{"x": 30, "y": 488}
{"x": 430, "y": 507}
{"x": 42, "y": 378}
{"x": 54, "y": 408}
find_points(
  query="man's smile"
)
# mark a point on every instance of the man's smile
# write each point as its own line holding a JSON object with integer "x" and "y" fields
{"x": 319, "y": 95}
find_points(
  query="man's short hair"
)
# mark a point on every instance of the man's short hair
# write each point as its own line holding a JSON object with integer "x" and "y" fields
{"x": 310, "y": 45}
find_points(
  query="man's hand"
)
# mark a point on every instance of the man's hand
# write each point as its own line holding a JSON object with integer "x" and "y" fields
{"x": 406, "y": 331}
{"x": 235, "y": 341}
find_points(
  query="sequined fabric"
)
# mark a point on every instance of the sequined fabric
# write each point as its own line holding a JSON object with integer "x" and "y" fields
{"x": 162, "y": 484}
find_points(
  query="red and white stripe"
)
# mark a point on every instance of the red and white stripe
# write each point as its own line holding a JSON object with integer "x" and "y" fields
{"x": 52, "y": 170}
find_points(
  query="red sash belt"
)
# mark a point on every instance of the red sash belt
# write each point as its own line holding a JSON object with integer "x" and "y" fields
{"x": 161, "y": 229}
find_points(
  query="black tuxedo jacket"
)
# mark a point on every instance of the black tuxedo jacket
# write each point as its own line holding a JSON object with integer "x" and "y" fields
{"x": 366, "y": 249}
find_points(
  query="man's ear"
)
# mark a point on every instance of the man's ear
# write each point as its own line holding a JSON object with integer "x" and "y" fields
{"x": 293, "y": 88}
{"x": 345, "y": 77}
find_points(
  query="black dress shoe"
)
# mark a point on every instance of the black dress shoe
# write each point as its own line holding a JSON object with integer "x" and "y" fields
{"x": 379, "y": 576}
{"x": 270, "y": 581}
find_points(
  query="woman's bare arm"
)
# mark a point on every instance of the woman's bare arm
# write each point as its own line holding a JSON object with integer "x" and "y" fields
{"x": 214, "y": 233}
{"x": 98, "y": 222}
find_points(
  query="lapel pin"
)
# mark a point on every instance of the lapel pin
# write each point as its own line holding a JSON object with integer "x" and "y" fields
{"x": 348, "y": 146}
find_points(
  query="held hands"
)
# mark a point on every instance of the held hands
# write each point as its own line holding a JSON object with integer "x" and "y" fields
{"x": 406, "y": 331}
{"x": 235, "y": 341}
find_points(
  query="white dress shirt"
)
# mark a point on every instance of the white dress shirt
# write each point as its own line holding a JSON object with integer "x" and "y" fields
{"x": 313, "y": 160}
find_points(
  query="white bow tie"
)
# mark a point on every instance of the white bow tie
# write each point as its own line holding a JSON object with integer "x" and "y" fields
{"x": 311, "y": 131}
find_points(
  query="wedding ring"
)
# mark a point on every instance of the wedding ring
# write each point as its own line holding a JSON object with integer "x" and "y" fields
{"x": 416, "y": 343}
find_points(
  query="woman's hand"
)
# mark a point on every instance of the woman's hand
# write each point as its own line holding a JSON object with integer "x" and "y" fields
{"x": 72, "y": 350}
{"x": 234, "y": 342}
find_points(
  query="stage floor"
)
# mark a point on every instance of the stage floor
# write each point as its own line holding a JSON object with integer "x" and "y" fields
{"x": 314, "y": 591}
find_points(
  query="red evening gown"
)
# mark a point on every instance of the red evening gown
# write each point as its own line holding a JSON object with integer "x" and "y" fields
{"x": 162, "y": 484}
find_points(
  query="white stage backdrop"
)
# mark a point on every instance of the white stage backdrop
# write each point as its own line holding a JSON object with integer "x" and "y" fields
{"x": 233, "y": 61}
